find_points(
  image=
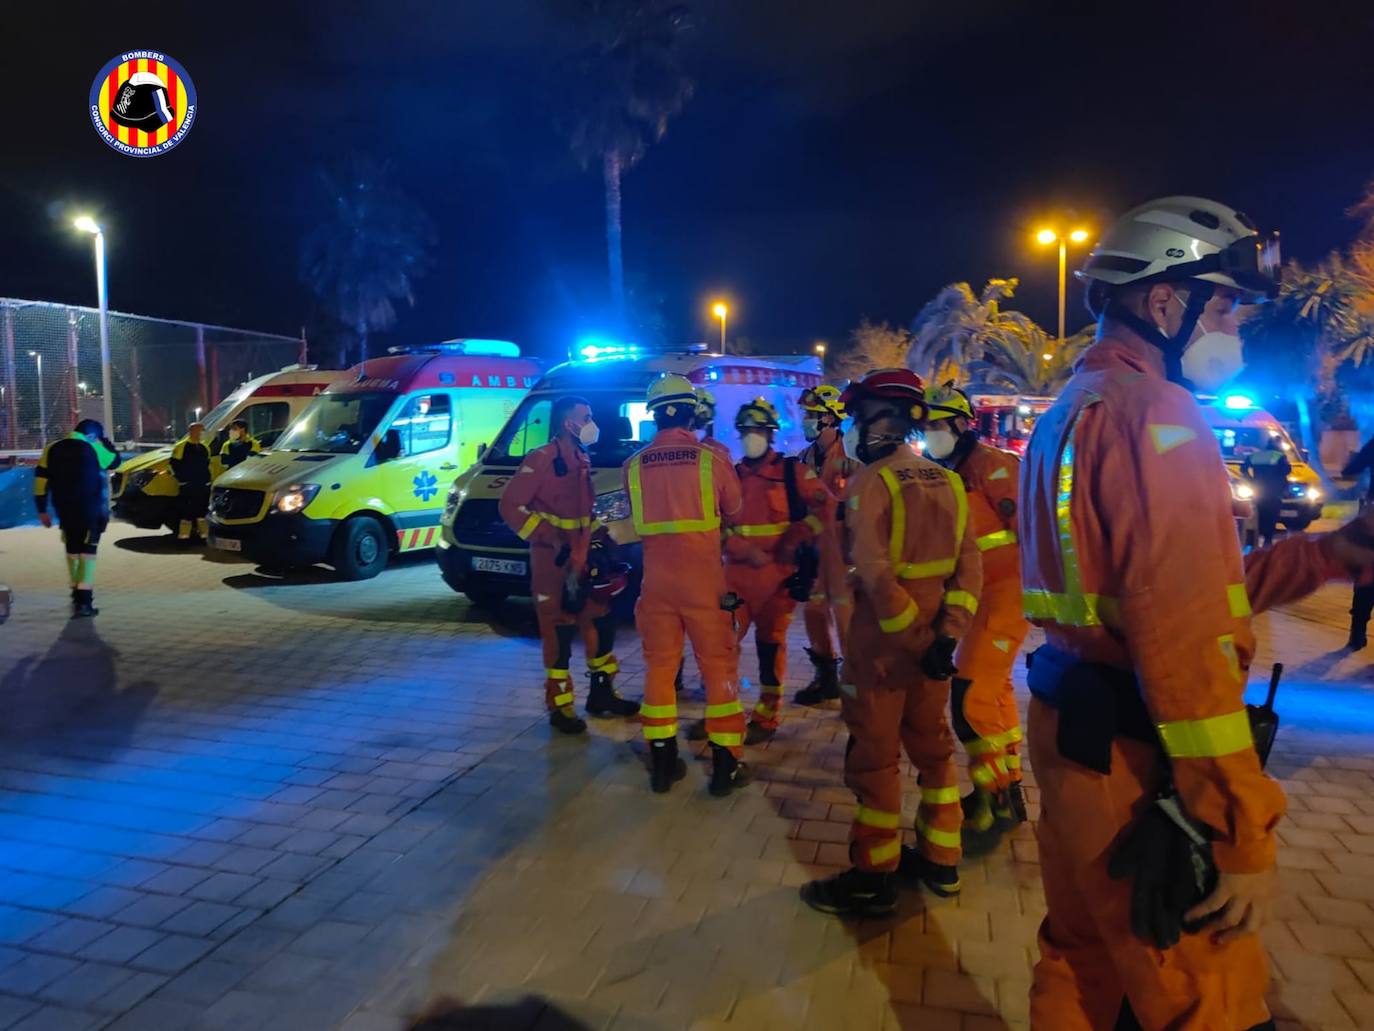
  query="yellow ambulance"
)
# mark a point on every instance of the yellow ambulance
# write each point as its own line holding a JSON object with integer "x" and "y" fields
{"x": 143, "y": 490}
{"x": 480, "y": 556}
{"x": 1242, "y": 427}
{"x": 361, "y": 474}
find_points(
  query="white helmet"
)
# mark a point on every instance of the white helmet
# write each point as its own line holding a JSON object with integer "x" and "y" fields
{"x": 1181, "y": 238}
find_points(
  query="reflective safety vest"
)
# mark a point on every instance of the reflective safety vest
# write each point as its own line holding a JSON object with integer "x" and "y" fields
{"x": 707, "y": 519}
{"x": 934, "y": 568}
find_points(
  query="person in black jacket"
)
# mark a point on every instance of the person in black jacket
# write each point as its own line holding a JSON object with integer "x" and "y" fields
{"x": 191, "y": 467}
{"x": 1268, "y": 469}
{"x": 240, "y": 445}
{"x": 71, "y": 478}
{"x": 1362, "y": 604}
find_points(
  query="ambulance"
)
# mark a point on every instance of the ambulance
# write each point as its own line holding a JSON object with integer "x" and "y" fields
{"x": 1242, "y": 427}
{"x": 480, "y": 556}
{"x": 143, "y": 490}
{"x": 1005, "y": 420}
{"x": 360, "y": 476}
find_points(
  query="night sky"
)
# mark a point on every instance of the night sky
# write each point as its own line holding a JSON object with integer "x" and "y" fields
{"x": 839, "y": 160}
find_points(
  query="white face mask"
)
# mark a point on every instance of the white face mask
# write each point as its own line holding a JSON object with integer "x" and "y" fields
{"x": 1213, "y": 360}
{"x": 811, "y": 427}
{"x": 851, "y": 442}
{"x": 755, "y": 445}
{"x": 940, "y": 443}
{"x": 589, "y": 434}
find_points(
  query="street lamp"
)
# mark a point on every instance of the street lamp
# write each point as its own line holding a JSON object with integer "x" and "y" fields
{"x": 720, "y": 311}
{"x": 42, "y": 402}
{"x": 86, "y": 224}
{"x": 1047, "y": 236}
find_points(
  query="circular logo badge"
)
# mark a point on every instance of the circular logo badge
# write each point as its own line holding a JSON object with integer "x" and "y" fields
{"x": 143, "y": 103}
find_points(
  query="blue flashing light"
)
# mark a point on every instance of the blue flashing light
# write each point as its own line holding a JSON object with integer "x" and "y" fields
{"x": 595, "y": 349}
{"x": 712, "y": 374}
{"x": 1238, "y": 402}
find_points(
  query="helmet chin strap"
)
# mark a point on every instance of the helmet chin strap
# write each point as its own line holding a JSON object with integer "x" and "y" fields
{"x": 1199, "y": 293}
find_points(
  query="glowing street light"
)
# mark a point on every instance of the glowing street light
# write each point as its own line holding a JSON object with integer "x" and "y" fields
{"x": 820, "y": 349}
{"x": 1047, "y": 236}
{"x": 721, "y": 311}
{"x": 86, "y": 224}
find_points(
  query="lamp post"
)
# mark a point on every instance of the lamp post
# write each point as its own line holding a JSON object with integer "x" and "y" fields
{"x": 88, "y": 225}
{"x": 42, "y": 402}
{"x": 1045, "y": 237}
{"x": 721, "y": 311}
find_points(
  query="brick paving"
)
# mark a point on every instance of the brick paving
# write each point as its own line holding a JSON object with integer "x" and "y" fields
{"x": 234, "y": 801}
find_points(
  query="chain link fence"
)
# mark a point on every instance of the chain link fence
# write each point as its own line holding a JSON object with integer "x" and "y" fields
{"x": 164, "y": 373}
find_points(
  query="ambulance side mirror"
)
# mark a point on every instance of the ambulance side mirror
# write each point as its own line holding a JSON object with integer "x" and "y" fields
{"x": 389, "y": 447}
{"x": 481, "y": 450}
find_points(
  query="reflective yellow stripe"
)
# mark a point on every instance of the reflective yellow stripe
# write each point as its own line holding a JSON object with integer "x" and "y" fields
{"x": 1238, "y": 600}
{"x": 658, "y": 733}
{"x": 716, "y": 712}
{"x": 1013, "y": 761}
{"x": 946, "y": 839}
{"x": 601, "y": 662}
{"x": 560, "y": 700}
{"x": 725, "y": 740}
{"x": 963, "y": 599}
{"x": 899, "y": 623}
{"x": 659, "y": 712}
{"x": 814, "y": 522}
{"x": 710, "y": 519}
{"x": 982, "y": 776}
{"x": 881, "y": 855}
{"x": 530, "y": 525}
{"x": 767, "y": 689}
{"x": 1207, "y": 739}
{"x": 996, "y": 540}
{"x": 897, "y": 537}
{"x": 580, "y": 523}
{"x": 557, "y": 674}
{"x": 760, "y": 529}
{"x": 1071, "y": 610}
{"x": 982, "y": 746}
{"x": 956, "y": 482}
{"x": 1014, "y": 735}
{"x": 940, "y": 796}
{"x": 877, "y": 818}
{"x": 922, "y": 570}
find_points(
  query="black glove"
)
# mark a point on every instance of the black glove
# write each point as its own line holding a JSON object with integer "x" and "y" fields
{"x": 1172, "y": 869}
{"x": 938, "y": 661}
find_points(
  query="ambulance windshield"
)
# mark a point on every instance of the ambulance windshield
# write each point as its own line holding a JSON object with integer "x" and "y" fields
{"x": 625, "y": 423}
{"x": 339, "y": 424}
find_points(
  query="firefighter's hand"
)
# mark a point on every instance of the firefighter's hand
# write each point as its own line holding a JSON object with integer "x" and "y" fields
{"x": 1241, "y": 903}
{"x": 45, "y": 519}
{"x": 938, "y": 660}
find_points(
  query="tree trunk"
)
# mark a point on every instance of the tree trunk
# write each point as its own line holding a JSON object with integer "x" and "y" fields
{"x": 615, "y": 256}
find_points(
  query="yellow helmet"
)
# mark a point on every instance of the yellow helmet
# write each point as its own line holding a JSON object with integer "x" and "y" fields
{"x": 670, "y": 390}
{"x": 824, "y": 400}
{"x": 947, "y": 401}
{"x": 706, "y": 406}
{"x": 758, "y": 414}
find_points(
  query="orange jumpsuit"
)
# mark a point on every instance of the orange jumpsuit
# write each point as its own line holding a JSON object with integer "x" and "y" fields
{"x": 765, "y": 524}
{"x": 985, "y": 716}
{"x": 679, "y": 490}
{"x": 1130, "y": 559}
{"x": 917, "y": 575}
{"x": 831, "y": 600}
{"x": 552, "y": 512}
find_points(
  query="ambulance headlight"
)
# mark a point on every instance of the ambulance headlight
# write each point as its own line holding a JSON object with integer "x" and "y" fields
{"x": 295, "y": 497}
{"x": 1243, "y": 491}
{"x": 456, "y": 497}
{"x": 1313, "y": 494}
{"x": 611, "y": 508}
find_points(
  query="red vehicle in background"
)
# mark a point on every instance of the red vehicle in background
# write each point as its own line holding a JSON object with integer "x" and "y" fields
{"x": 1006, "y": 420}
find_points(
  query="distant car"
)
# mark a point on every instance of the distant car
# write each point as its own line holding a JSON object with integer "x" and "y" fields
{"x": 1242, "y": 428}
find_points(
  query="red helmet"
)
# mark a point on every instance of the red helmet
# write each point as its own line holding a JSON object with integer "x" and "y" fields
{"x": 899, "y": 385}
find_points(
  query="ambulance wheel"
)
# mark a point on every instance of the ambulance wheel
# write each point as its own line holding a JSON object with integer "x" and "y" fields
{"x": 360, "y": 550}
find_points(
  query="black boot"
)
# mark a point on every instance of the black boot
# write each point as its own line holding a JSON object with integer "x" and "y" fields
{"x": 566, "y": 723}
{"x": 81, "y": 604}
{"x": 602, "y": 699}
{"x": 825, "y": 685}
{"x": 1016, "y": 799}
{"x": 665, "y": 768}
{"x": 942, "y": 880}
{"x": 853, "y": 893}
{"x": 727, "y": 772}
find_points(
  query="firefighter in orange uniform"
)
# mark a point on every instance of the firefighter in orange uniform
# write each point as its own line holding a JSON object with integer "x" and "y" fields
{"x": 679, "y": 491}
{"x": 548, "y": 502}
{"x": 782, "y": 515}
{"x": 705, "y": 423}
{"x": 982, "y": 702}
{"x": 917, "y": 578}
{"x": 831, "y": 604}
{"x": 1132, "y": 566}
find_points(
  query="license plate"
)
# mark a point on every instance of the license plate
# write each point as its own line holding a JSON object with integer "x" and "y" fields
{"x": 226, "y": 544}
{"x": 1288, "y": 513}
{"x": 505, "y": 566}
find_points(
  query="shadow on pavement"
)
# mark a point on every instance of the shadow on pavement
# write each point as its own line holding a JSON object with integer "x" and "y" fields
{"x": 531, "y": 1011}
{"x": 156, "y": 544}
{"x": 73, "y": 686}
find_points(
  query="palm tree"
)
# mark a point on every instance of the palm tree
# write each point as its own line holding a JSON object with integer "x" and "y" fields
{"x": 954, "y": 328}
{"x": 1027, "y": 360}
{"x": 627, "y": 83}
{"x": 368, "y": 248}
